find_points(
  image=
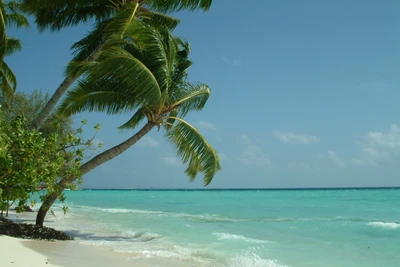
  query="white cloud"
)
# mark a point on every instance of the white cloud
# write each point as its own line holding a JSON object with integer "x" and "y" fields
{"x": 147, "y": 141}
{"x": 232, "y": 61}
{"x": 206, "y": 126}
{"x": 252, "y": 154}
{"x": 379, "y": 148}
{"x": 391, "y": 139}
{"x": 172, "y": 161}
{"x": 338, "y": 161}
{"x": 293, "y": 138}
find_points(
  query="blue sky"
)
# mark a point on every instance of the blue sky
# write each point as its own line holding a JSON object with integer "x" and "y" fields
{"x": 304, "y": 94}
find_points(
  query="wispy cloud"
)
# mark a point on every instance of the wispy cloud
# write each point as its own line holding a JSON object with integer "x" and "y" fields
{"x": 294, "y": 138}
{"x": 335, "y": 159}
{"x": 172, "y": 161}
{"x": 206, "y": 126}
{"x": 232, "y": 61}
{"x": 147, "y": 141}
{"x": 378, "y": 148}
{"x": 252, "y": 155}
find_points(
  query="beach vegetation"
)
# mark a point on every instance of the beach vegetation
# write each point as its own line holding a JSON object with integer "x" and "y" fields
{"x": 31, "y": 160}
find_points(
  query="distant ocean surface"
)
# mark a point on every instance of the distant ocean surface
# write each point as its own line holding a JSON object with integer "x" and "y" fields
{"x": 252, "y": 228}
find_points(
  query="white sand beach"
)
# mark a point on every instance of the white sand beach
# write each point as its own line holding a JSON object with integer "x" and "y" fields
{"x": 15, "y": 252}
{"x": 31, "y": 253}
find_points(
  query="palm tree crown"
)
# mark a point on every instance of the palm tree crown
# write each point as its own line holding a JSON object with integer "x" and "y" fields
{"x": 112, "y": 19}
{"x": 146, "y": 74}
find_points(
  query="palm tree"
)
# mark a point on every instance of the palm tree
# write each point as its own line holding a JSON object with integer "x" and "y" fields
{"x": 148, "y": 77}
{"x": 56, "y": 14}
{"x": 9, "y": 16}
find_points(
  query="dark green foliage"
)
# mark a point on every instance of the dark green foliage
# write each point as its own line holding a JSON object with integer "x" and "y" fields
{"x": 30, "y": 158}
{"x": 30, "y": 231}
{"x": 27, "y": 160}
{"x": 10, "y": 16}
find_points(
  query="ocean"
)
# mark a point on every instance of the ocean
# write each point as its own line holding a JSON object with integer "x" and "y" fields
{"x": 241, "y": 228}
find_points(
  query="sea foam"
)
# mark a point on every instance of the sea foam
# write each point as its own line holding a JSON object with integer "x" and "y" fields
{"x": 253, "y": 260}
{"x": 228, "y": 236}
{"x": 386, "y": 225}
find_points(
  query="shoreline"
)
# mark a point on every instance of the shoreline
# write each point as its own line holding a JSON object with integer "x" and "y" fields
{"x": 17, "y": 252}
{"x": 32, "y": 253}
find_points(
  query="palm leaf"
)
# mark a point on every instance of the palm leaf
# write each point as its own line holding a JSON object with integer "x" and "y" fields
{"x": 134, "y": 120}
{"x": 116, "y": 72}
{"x": 57, "y": 14}
{"x": 171, "y": 118}
{"x": 117, "y": 64}
{"x": 13, "y": 45}
{"x": 8, "y": 81}
{"x": 2, "y": 32}
{"x": 83, "y": 48}
{"x": 156, "y": 19}
{"x": 16, "y": 20}
{"x": 167, "y": 6}
{"x": 190, "y": 97}
{"x": 121, "y": 22}
{"x": 194, "y": 149}
{"x": 90, "y": 97}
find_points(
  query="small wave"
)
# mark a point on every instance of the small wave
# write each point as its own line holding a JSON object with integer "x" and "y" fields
{"x": 130, "y": 211}
{"x": 189, "y": 255}
{"x": 253, "y": 260}
{"x": 227, "y": 236}
{"x": 141, "y": 236}
{"x": 193, "y": 217}
{"x": 385, "y": 225}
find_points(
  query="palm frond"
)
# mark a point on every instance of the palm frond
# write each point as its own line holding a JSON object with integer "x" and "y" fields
{"x": 2, "y": 32}
{"x": 158, "y": 52}
{"x": 16, "y": 20}
{"x": 90, "y": 97}
{"x": 116, "y": 64}
{"x": 84, "y": 47}
{"x": 13, "y": 45}
{"x": 171, "y": 118}
{"x": 57, "y": 14}
{"x": 8, "y": 81}
{"x": 134, "y": 120}
{"x": 156, "y": 19}
{"x": 121, "y": 22}
{"x": 167, "y": 6}
{"x": 116, "y": 72}
{"x": 195, "y": 150}
{"x": 190, "y": 97}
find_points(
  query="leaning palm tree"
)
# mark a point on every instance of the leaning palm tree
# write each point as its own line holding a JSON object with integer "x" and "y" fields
{"x": 145, "y": 74}
{"x": 56, "y": 14}
{"x": 9, "y": 16}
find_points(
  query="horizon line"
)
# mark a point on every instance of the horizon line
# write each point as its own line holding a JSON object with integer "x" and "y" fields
{"x": 246, "y": 189}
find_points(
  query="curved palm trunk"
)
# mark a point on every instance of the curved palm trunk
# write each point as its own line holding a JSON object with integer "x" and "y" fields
{"x": 62, "y": 88}
{"x": 87, "y": 167}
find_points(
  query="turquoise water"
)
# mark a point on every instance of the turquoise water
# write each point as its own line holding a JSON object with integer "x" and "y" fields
{"x": 242, "y": 228}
